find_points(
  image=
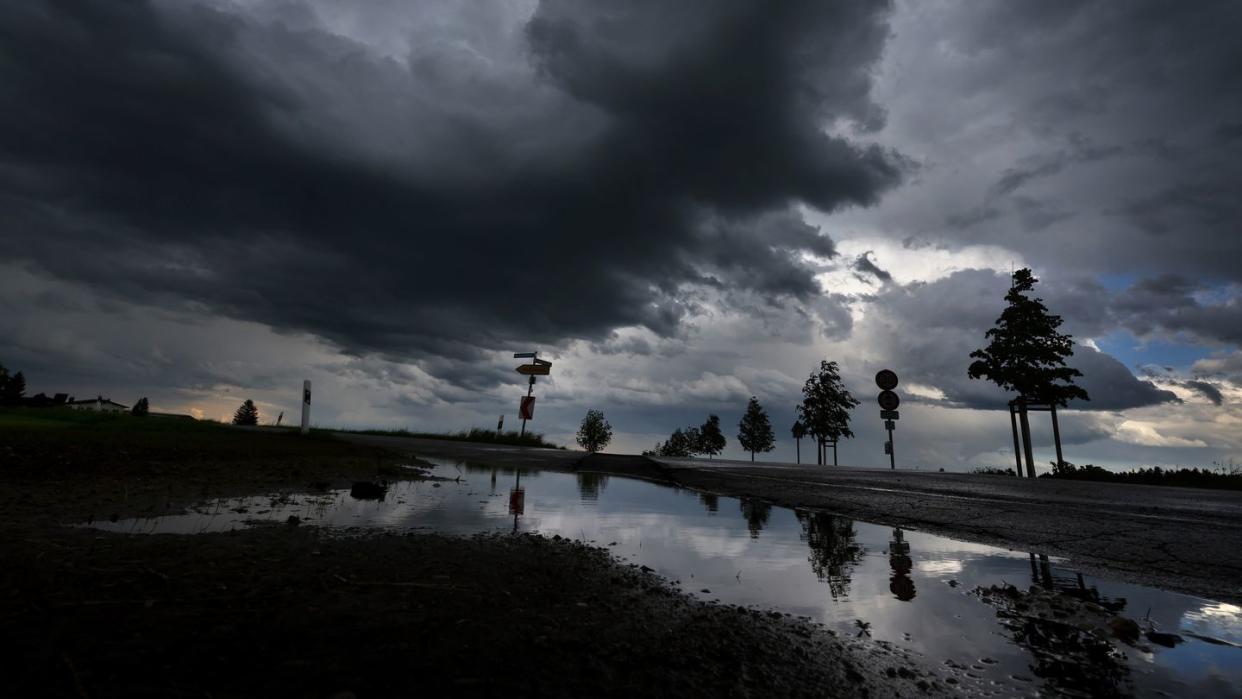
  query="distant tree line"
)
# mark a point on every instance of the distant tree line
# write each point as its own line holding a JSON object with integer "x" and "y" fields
{"x": 1225, "y": 478}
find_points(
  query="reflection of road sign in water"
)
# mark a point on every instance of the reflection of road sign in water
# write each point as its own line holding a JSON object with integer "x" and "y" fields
{"x": 527, "y": 409}
{"x": 517, "y": 501}
{"x": 888, "y": 400}
{"x": 535, "y": 369}
{"x": 886, "y": 379}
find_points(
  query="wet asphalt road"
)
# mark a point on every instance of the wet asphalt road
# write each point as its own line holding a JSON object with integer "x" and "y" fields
{"x": 1183, "y": 539}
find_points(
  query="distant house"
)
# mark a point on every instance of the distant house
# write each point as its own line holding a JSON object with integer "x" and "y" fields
{"x": 100, "y": 403}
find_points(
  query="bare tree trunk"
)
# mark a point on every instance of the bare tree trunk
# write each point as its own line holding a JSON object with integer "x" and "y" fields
{"x": 1056, "y": 435}
{"x": 1017, "y": 449}
{"x": 798, "y": 446}
{"x": 1026, "y": 439}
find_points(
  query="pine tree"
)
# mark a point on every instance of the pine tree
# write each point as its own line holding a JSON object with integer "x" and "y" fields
{"x": 594, "y": 433}
{"x": 14, "y": 389}
{"x": 1026, "y": 354}
{"x": 754, "y": 431}
{"x": 141, "y": 408}
{"x": 711, "y": 438}
{"x": 247, "y": 414}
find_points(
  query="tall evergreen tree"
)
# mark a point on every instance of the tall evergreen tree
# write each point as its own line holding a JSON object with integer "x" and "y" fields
{"x": 1026, "y": 354}
{"x": 247, "y": 414}
{"x": 711, "y": 438}
{"x": 754, "y": 431}
{"x": 141, "y": 408}
{"x": 826, "y": 405}
{"x": 14, "y": 389}
{"x": 594, "y": 433}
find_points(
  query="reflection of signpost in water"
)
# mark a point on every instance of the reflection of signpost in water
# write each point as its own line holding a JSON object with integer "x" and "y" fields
{"x": 887, "y": 381}
{"x": 517, "y": 500}
{"x": 537, "y": 367}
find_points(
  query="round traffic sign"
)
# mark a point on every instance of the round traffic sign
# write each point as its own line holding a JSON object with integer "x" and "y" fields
{"x": 889, "y": 400}
{"x": 886, "y": 379}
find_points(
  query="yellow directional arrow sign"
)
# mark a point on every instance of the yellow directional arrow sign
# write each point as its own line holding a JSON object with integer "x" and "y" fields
{"x": 535, "y": 369}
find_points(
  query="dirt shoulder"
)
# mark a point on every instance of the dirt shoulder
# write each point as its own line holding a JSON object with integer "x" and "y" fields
{"x": 299, "y": 612}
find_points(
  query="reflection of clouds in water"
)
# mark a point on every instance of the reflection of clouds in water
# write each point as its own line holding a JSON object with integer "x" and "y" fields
{"x": 1225, "y": 619}
{"x": 940, "y": 568}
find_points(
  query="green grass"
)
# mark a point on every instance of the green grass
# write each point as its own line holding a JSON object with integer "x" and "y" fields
{"x": 482, "y": 436}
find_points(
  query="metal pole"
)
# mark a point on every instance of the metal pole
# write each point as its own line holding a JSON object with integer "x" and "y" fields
{"x": 892, "y": 452}
{"x": 834, "y": 453}
{"x": 1056, "y": 434}
{"x": 1017, "y": 450}
{"x": 529, "y": 389}
{"x": 798, "y": 446}
{"x": 306, "y": 400}
{"x": 1024, "y": 420}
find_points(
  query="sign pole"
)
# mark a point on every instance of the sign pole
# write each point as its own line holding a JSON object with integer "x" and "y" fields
{"x": 530, "y": 388}
{"x": 892, "y": 456}
{"x": 1017, "y": 449}
{"x": 306, "y": 399}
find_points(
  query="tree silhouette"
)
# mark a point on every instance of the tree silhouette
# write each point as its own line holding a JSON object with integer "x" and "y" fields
{"x": 594, "y": 433}
{"x": 711, "y": 439}
{"x": 247, "y": 414}
{"x": 14, "y": 389}
{"x": 1026, "y": 354}
{"x": 141, "y": 408}
{"x": 826, "y": 405}
{"x": 754, "y": 431}
{"x": 798, "y": 431}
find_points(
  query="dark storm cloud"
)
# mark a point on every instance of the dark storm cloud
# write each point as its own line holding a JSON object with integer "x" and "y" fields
{"x": 274, "y": 171}
{"x": 1208, "y": 391}
{"x": 1170, "y": 304}
{"x": 865, "y": 266}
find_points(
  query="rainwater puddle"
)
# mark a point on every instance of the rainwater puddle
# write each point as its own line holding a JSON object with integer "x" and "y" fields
{"x": 899, "y": 586}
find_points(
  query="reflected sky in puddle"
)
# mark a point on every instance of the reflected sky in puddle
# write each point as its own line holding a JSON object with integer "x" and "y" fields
{"x": 905, "y": 587}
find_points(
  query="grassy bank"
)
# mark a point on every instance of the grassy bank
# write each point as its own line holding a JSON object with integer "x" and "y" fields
{"x": 475, "y": 434}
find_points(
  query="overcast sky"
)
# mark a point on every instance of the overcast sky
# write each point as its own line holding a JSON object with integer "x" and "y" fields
{"x": 680, "y": 204}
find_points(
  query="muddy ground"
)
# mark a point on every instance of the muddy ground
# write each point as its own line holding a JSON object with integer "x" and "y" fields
{"x": 290, "y": 610}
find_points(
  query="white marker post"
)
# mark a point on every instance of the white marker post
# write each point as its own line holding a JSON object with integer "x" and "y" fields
{"x": 306, "y": 397}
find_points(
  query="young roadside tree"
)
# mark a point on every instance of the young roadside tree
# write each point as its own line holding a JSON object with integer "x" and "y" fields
{"x": 711, "y": 438}
{"x": 826, "y": 406}
{"x": 14, "y": 389}
{"x": 594, "y": 433}
{"x": 1027, "y": 355}
{"x": 141, "y": 408}
{"x": 799, "y": 431}
{"x": 754, "y": 431}
{"x": 247, "y": 414}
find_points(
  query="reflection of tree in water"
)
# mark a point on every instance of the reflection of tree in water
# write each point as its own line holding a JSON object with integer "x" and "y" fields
{"x": 756, "y": 514}
{"x": 834, "y": 553}
{"x": 899, "y": 560}
{"x": 590, "y": 485}
{"x": 710, "y": 501}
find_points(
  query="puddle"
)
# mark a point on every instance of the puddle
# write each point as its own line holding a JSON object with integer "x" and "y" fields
{"x": 903, "y": 587}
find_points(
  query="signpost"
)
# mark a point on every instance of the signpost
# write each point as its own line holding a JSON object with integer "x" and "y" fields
{"x": 887, "y": 381}
{"x": 306, "y": 397}
{"x": 500, "y": 425}
{"x": 537, "y": 367}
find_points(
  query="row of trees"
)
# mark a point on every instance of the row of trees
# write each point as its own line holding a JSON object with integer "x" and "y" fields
{"x": 824, "y": 415}
{"x": 12, "y": 388}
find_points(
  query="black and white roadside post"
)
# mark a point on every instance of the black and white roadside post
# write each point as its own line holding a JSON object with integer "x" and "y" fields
{"x": 500, "y": 425}
{"x": 306, "y": 397}
{"x": 887, "y": 381}
{"x": 537, "y": 367}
